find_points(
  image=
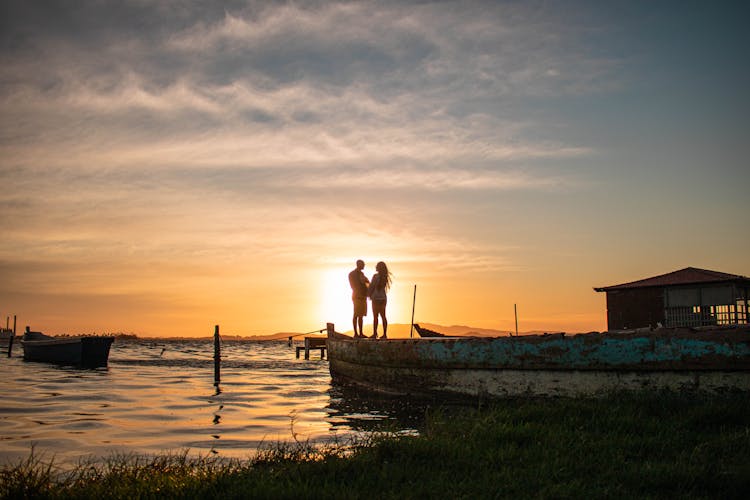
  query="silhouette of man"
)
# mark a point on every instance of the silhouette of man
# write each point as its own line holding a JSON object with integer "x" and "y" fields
{"x": 359, "y": 283}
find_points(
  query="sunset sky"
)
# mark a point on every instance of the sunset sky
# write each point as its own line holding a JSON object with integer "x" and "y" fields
{"x": 166, "y": 166}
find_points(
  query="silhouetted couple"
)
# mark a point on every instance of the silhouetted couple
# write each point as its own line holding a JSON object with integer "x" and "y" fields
{"x": 376, "y": 290}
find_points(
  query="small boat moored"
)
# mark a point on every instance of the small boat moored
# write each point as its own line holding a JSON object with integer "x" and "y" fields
{"x": 82, "y": 351}
{"x": 684, "y": 359}
{"x": 426, "y": 333}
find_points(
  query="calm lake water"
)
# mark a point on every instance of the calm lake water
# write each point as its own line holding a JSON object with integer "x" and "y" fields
{"x": 159, "y": 396}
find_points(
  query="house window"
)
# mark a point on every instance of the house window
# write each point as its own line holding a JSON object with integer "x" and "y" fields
{"x": 709, "y": 306}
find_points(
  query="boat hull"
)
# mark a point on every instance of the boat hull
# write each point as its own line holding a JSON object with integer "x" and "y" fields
{"x": 551, "y": 365}
{"x": 86, "y": 352}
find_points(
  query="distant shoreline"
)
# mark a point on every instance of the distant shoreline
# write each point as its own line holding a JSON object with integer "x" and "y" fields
{"x": 395, "y": 330}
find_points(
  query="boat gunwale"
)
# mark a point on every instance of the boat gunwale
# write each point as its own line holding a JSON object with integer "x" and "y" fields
{"x": 678, "y": 351}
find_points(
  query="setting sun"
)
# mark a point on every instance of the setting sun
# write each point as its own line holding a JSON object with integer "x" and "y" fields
{"x": 234, "y": 163}
{"x": 336, "y": 298}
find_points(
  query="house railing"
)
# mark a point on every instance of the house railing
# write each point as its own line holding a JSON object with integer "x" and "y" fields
{"x": 712, "y": 315}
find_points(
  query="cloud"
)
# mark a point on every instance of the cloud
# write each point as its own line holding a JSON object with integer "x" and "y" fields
{"x": 283, "y": 85}
{"x": 206, "y": 143}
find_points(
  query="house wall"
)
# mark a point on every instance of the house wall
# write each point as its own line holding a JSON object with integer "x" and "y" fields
{"x": 635, "y": 308}
{"x": 692, "y": 306}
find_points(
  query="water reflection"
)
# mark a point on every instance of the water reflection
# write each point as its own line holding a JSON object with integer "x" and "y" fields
{"x": 364, "y": 411}
{"x": 159, "y": 396}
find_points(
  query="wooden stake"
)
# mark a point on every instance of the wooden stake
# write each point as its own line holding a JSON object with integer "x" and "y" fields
{"x": 413, "y": 305}
{"x": 217, "y": 356}
{"x": 10, "y": 341}
{"x": 515, "y": 313}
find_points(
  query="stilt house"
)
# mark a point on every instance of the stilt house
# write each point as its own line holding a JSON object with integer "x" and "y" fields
{"x": 688, "y": 297}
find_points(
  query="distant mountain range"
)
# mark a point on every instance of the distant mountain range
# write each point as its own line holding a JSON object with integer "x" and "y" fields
{"x": 395, "y": 330}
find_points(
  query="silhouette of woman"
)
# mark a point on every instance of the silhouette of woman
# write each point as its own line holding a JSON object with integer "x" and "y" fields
{"x": 379, "y": 285}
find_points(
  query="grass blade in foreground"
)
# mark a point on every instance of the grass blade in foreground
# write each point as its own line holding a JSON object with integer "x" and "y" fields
{"x": 660, "y": 446}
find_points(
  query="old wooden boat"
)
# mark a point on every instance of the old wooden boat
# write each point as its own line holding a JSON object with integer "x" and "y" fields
{"x": 684, "y": 359}
{"x": 82, "y": 351}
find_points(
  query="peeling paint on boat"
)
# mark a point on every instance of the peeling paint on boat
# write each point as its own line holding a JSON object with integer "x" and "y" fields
{"x": 549, "y": 365}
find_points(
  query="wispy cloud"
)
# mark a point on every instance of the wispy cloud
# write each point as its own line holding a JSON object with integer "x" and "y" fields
{"x": 290, "y": 84}
{"x": 208, "y": 144}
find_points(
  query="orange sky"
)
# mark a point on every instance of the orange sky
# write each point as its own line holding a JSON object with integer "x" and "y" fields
{"x": 162, "y": 174}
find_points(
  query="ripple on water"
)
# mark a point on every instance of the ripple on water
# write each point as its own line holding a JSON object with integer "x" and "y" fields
{"x": 159, "y": 396}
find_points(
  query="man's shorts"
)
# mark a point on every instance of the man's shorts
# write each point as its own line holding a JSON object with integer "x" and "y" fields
{"x": 360, "y": 307}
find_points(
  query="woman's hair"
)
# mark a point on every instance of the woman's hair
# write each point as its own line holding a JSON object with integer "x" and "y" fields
{"x": 385, "y": 274}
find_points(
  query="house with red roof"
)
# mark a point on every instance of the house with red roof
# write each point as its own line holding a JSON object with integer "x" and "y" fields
{"x": 690, "y": 297}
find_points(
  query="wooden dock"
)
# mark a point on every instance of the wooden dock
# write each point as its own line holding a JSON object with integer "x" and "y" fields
{"x": 311, "y": 344}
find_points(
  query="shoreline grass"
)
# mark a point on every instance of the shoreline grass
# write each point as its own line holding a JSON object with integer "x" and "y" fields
{"x": 664, "y": 445}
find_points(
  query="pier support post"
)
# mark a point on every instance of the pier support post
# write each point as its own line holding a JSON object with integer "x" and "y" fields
{"x": 217, "y": 356}
{"x": 12, "y": 336}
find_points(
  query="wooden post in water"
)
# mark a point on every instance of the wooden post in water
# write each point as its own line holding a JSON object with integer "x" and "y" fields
{"x": 217, "y": 356}
{"x": 10, "y": 341}
{"x": 515, "y": 313}
{"x": 413, "y": 305}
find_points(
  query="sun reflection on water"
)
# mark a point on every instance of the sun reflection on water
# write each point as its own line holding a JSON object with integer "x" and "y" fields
{"x": 158, "y": 396}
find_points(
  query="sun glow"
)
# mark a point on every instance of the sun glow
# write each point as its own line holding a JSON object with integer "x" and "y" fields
{"x": 336, "y": 299}
{"x": 335, "y": 303}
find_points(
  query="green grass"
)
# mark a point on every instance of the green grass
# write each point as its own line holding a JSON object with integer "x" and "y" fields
{"x": 623, "y": 446}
